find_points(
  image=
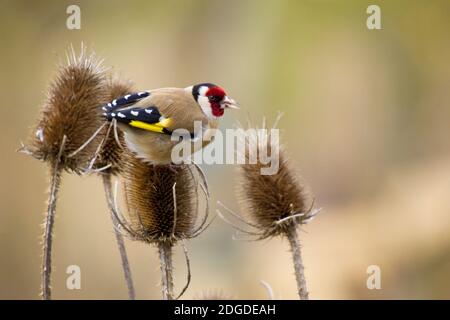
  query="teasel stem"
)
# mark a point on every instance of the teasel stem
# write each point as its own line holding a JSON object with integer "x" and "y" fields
{"x": 119, "y": 238}
{"x": 165, "y": 259}
{"x": 294, "y": 241}
{"x": 55, "y": 182}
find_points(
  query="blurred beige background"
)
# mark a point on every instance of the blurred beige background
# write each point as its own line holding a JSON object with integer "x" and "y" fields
{"x": 366, "y": 123}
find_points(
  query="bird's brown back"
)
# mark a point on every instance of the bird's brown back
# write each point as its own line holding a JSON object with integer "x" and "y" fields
{"x": 177, "y": 104}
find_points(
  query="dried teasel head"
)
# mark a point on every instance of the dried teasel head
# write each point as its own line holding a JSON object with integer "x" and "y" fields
{"x": 110, "y": 154}
{"x": 70, "y": 116}
{"x": 67, "y": 134}
{"x": 272, "y": 202}
{"x": 162, "y": 201}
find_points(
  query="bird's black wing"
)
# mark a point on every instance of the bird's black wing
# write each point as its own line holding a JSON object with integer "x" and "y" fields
{"x": 125, "y": 101}
{"x": 148, "y": 118}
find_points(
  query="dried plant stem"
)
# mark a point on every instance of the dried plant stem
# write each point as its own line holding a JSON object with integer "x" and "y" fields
{"x": 294, "y": 242}
{"x": 55, "y": 182}
{"x": 165, "y": 258}
{"x": 48, "y": 233}
{"x": 119, "y": 238}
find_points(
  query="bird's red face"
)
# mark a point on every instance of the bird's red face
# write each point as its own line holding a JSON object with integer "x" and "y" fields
{"x": 215, "y": 96}
{"x": 212, "y": 99}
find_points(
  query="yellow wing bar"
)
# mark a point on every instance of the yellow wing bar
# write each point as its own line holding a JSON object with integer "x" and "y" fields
{"x": 154, "y": 127}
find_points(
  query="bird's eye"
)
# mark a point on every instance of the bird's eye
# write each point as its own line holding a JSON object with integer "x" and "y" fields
{"x": 214, "y": 98}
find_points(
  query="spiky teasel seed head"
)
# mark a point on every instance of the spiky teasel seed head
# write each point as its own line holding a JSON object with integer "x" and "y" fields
{"x": 110, "y": 153}
{"x": 71, "y": 111}
{"x": 150, "y": 190}
{"x": 273, "y": 202}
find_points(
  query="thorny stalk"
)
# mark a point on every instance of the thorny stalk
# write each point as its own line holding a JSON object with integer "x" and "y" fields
{"x": 165, "y": 259}
{"x": 294, "y": 242}
{"x": 55, "y": 176}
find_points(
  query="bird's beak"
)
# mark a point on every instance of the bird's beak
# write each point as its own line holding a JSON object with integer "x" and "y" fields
{"x": 229, "y": 103}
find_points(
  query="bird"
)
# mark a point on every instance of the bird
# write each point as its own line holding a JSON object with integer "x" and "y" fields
{"x": 149, "y": 118}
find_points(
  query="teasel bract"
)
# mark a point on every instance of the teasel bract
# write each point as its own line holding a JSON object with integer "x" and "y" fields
{"x": 66, "y": 135}
{"x": 163, "y": 210}
{"x": 275, "y": 204}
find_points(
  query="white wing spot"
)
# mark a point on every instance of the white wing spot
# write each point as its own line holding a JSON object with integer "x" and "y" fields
{"x": 104, "y": 108}
{"x": 127, "y": 96}
{"x": 149, "y": 111}
{"x": 135, "y": 113}
{"x": 113, "y": 114}
{"x": 114, "y": 102}
{"x": 121, "y": 115}
{"x": 40, "y": 134}
{"x": 109, "y": 105}
{"x": 141, "y": 93}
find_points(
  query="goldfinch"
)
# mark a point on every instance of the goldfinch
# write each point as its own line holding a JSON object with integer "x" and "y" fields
{"x": 148, "y": 118}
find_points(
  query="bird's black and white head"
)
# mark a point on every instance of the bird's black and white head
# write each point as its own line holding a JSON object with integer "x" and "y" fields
{"x": 212, "y": 99}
